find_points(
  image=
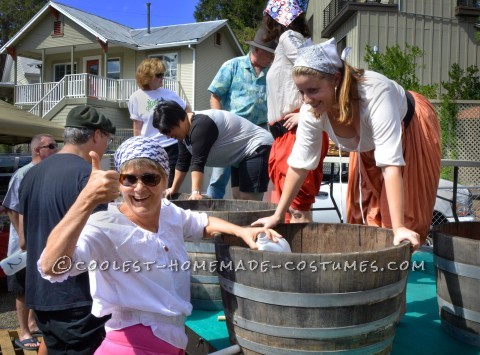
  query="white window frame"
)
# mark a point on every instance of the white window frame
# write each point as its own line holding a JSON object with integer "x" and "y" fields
{"x": 64, "y": 64}
{"x": 168, "y": 71}
{"x": 119, "y": 66}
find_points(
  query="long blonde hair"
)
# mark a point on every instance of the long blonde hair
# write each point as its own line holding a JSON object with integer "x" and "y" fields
{"x": 350, "y": 76}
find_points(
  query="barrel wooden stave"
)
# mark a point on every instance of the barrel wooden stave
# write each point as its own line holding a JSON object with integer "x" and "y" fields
{"x": 205, "y": 290}
{"x": 457, "y": 293}
{"x": 332, "y": 245}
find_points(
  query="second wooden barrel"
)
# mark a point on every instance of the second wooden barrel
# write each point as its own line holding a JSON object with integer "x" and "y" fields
{"x": 340, "y": 290}
{"x": 456, "y": 249}
{"x": 204, "y": 288}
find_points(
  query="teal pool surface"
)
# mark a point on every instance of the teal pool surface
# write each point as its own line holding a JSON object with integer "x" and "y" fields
{"x": 419, "y": 331}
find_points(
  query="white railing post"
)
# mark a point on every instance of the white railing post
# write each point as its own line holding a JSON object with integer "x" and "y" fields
{"x": 82, "y": 86}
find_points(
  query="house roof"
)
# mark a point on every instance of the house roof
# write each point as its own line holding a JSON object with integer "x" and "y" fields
{"x": 27, "y": 65}
{"x": 115, "y": 33}
{"x": 19, "y": 126}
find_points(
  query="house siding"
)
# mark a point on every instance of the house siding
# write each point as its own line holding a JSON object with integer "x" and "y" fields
{"x": 210, "y": 58}
{"x": 429, "y": 24}
{"x": 119, "y": 116}
{"x": 42, "y": 36}
{"x": 185, "y": 73}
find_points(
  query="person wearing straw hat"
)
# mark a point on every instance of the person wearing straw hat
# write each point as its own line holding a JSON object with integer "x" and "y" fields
{"x": 240, "y": 87}
{"x": 141, "y": 276}
{"x": 284, "y": 22}
{"x": 393, "y": 136}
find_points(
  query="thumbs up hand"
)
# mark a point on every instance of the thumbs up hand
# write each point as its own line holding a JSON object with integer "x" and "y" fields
{"x": 102, "y": 186}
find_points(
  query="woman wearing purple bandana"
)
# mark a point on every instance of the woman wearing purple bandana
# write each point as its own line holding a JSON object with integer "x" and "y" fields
{"x": 134, "y": 252}
{"x": 284, "y": 21}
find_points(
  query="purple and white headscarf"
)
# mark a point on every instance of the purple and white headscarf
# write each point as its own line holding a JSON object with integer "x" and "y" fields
{"x": 141, "y": 147}
{"x": 285, "y": 11}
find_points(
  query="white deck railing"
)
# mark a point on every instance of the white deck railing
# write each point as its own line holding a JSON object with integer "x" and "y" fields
{"x": 45, "y": 98}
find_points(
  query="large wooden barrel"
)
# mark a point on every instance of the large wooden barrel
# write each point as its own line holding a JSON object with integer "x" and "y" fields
{"x": 456, "y": 249}
{"x": 183, "y": 196}
{"x": 340, "y": 290}
{"x": 204, "y": 287}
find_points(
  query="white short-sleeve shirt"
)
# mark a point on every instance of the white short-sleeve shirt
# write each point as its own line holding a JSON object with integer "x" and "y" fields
{"x": 141, "y": 105}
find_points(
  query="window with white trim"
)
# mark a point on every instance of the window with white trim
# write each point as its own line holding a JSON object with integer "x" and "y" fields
{"x": 62, "y": 69}
{"x": 171, "y": 62}
{"x": 113, "y": 68}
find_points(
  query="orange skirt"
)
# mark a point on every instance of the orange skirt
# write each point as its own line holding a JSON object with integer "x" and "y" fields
{"x": 421, "y": 173}
{"x": 278, "y": 167}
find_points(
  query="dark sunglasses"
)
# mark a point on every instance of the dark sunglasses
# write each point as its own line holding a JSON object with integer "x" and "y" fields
{"x": 160, "y": 75}
{"x": 51, "y": 146}
{"x": 147, "y": 179}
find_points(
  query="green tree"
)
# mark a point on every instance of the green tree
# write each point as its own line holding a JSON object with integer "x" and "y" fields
{"x": 400, "y": 66}
{"x": 463, "y": 85}
{"x": 244, "y": 17}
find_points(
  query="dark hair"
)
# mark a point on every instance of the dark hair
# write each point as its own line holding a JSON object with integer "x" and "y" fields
{"x": 273, "y": 29}
{"x": 168, "y": 114}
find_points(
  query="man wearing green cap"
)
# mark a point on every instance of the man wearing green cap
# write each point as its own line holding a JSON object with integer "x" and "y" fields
{"x": 46, "y": 194}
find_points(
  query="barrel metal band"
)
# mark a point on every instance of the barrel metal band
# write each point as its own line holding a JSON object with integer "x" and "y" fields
{"x": 266, "y": 349}
{"x": 454, "y": 267}
{"x": 204, "y": 279}
{"x": 308, "y": 300}
{"x": 465, "y": 313}
{"x": 315, "y": 333}
{"x": 204, "y": 247}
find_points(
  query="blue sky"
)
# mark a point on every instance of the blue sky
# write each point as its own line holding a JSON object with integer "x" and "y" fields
{"x": 133, "y": 13}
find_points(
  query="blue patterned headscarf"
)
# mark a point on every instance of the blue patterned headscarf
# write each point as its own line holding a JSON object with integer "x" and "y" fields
{"x": 141, "y": 147}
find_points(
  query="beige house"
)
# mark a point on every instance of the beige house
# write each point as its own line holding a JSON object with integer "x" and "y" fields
{"x": 443, "y": 29}
{"x": 87, "y": 59}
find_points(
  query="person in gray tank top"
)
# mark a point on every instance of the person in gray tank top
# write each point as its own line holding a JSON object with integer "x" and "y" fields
{"x": 216, "y": 138}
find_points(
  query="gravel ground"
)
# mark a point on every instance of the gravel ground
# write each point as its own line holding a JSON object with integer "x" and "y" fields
{"x": 8, "y": 317}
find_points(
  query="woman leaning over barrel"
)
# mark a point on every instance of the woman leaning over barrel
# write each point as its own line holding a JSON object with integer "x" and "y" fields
{"x": 393, "y": 134}
{"x": 134, "y": 251}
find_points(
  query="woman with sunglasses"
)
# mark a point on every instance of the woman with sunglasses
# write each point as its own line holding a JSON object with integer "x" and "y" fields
{"x": 134, "y": 251}
{"x": 150, "y": 76}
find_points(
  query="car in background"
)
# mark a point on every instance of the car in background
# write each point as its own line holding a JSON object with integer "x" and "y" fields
{"x": 324, "y": 210}
{"x": 9, "y": 163}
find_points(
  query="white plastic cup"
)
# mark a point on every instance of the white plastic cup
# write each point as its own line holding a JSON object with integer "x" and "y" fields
{"x": 266, "y": 244}
{"x": 14, "y": 263}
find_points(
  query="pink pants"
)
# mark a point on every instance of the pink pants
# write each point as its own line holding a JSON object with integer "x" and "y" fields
{"x": 136, "y": 340}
